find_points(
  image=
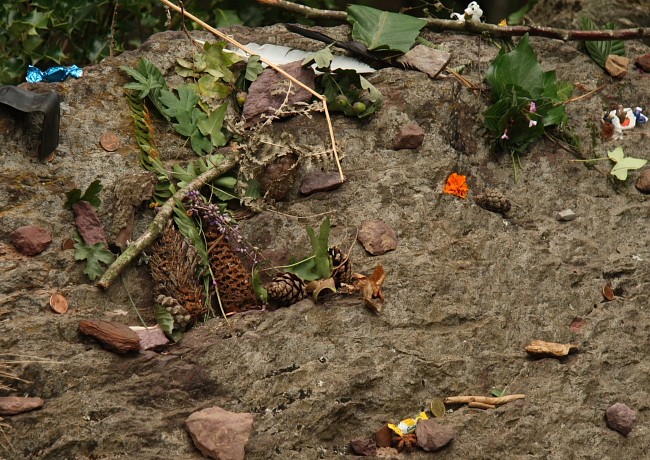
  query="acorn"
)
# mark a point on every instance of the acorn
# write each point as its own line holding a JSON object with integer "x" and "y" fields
{"x": 286, "y": 289}
{"x": 341, "y": 100}
{"x": 358, "y": 108}
{"x": 494, "y": 201}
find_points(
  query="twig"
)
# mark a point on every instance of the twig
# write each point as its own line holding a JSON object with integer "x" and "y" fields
{"x": 234, "y": 42}
{"x": 483, "y": 399}
{"x": 490, "y": 30}
{"x": 588, "y": 94}
{"x": 156, "y": 226}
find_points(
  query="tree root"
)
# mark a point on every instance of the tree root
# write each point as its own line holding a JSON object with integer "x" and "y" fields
{"x": 483, "y": 399}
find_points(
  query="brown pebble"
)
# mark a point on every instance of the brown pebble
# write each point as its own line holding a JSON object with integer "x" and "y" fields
{"x": 11, "y": 405}
{"x": 643, "y": 62}
{"x": 87, "y": 222}
{"x": 643, "y": 181}
{"x": 377, "y": 237}
{"x": 617, "y": 66}
{"x": 114, "y": 336}
{"x": 365, "y": 446}
{"x": 621, "y": 418}
{"x": 319, "y": 181}
{"x": 31, "y": 239}
{"x": 409, "y": 137}
{"x": 433, "y": 436}
{"x": 383, "y": 436}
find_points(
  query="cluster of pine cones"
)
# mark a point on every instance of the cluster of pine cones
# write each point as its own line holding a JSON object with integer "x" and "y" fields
{"x": 287, "y": 288}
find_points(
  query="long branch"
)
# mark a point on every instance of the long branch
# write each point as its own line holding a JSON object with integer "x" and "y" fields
{"x": 156, "y": 226}
{"x": 491, "y": 30}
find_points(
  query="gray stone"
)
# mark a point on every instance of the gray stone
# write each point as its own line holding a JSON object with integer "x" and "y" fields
{"x": 621, "y": 418}
{"x": 31, "y": 239}
{"x": 409, "y": 137}
{"x": 220, "y": 434}
{"x": 433, "y": 436}
{"x": 565, "y": 215}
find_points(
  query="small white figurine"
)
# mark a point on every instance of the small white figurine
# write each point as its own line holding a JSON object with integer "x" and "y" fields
{"x": 473, "y": 12}
{"x": 616, "y": 122}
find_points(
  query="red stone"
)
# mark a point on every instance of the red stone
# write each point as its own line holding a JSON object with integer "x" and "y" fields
{"x": 220, "y": 434}
{"x": 409, "y": 137}
{"x": 11, "y": 405}
{"x": 31, "y": 240}
{"x": 88, "y": 224}
{"x": 643, "y": 62}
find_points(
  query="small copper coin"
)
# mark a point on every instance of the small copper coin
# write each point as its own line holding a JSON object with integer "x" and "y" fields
{"x": 109, "y": 141}
{"x": 58, "y": 303}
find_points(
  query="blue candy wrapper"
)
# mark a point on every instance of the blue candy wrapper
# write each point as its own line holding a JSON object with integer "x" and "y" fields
{"x": 53, "y": 74}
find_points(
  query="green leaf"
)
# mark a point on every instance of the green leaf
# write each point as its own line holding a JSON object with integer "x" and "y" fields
{"x": 166, "y": 322}
{"x": 217, "y": 61}
{"x": 183, "y": 104}
{"x": 95, "y": 255}
{"x": 499, "y": 393}
{"x": 517, "y": 17}
{"x": 623, "y": 164}
{"x": 91, "y": 195}
{"x": 599, "y": 50}
{"x": 211, "y": 126}
{"x": 322, "y": 267}
{"x": 209, "y": 87}
{"x": 258, "y": 288}
{"x": 381, "y": 30}
{"x": 322, "y": 58}
{"x": 149, "y": 82}
{"x": 253, "y": 68}
{"x": 226, "y": 18}
{"x": 517, "y": 68}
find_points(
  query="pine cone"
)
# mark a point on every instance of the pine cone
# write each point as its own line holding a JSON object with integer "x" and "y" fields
{"x": 286, "y": 289}
{"x": 342, "y": 267}
{"x": 494, "y": 201}
{"x": 180, "y": 315}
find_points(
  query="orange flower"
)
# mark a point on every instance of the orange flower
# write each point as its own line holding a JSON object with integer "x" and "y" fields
{"x": 456, "y": 185}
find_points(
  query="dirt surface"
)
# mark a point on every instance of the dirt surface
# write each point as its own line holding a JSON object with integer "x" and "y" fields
{"x": 466, "y": 289}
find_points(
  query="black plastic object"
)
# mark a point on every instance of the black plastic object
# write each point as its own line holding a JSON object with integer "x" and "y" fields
{"x": 28, "y": 102}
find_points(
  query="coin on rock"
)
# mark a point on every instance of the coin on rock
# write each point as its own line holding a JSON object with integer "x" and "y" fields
{"x": 109, "y": 141}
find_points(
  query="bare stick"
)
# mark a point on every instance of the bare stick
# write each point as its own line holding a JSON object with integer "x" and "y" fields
{"x": 234, "y": 42}
{"x": 490, "y": 30}
{"x": 156, "y": 226}
{"x": 482, "y": 399}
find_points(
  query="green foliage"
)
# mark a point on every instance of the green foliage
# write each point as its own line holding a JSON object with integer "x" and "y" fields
{"x": 318, "y": 264}
{"x": 253, "y": 68}
{"x": 259, "y": 288}
{"x": 517, "y": 17}
{"x": 499, "y": 393}
{"x": 599, "y": 50}
{"x": 222, "y": 187}
{"x": 166, "y": 322}
{"x": 382, "y": 30}
{"x": 527, "y": 99}
{"x": 623, "y": 164}
{"x": 95, "y": 256}
{"x": 91, "y": 195}
{"x": 82, "y": 32}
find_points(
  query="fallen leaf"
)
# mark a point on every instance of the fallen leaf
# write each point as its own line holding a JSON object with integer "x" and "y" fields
{"x": 541, "y": 349}
{"x": 371, "y": 287}
{"x": 608, "y": 292}
{"x": 58, "y": 303}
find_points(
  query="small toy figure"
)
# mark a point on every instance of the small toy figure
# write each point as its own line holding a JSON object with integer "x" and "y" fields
{"x": 473, "y": 12}
{"x": 616, "y": 122}
{"x": 640, "y": 118}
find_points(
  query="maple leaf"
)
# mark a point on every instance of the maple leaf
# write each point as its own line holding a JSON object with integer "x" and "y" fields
{"x": 183, "y": 104}
{"x": 94, "y": 255}
{"x": 211, "y": 125}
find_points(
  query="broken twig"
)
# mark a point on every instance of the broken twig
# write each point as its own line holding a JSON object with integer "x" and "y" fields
{"x": 156, "y": 226}
{"x": 493, "y": 401}
{"x": 475, "y": 27}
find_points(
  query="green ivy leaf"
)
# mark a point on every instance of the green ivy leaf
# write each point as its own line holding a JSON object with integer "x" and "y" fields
{"x": 91, "y": 195}
{"x": 382, "y": 30}
{"x": 183, "y": 104}
{"x": 253, "y": 68}
{"x": 211, "y": 126}
{"x": 218, "y": 62}
{"x": 322, "y": 58}
{"x": 623, "y": 164}
{"x": 599, "y": 50}
{"x": 95, "y": 255}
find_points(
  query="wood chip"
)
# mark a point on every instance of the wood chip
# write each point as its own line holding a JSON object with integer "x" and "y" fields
{"x": 58, "y": 303}
{"x": 540, "y": 348}
{"x": 114, "y": 336}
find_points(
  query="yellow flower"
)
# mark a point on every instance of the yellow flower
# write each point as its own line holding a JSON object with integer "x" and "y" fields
{"x": 503, "y": 23}
{"x": 456, "y": 185}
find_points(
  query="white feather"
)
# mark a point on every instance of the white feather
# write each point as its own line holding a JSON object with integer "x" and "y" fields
{"x": 279, "y": 55}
